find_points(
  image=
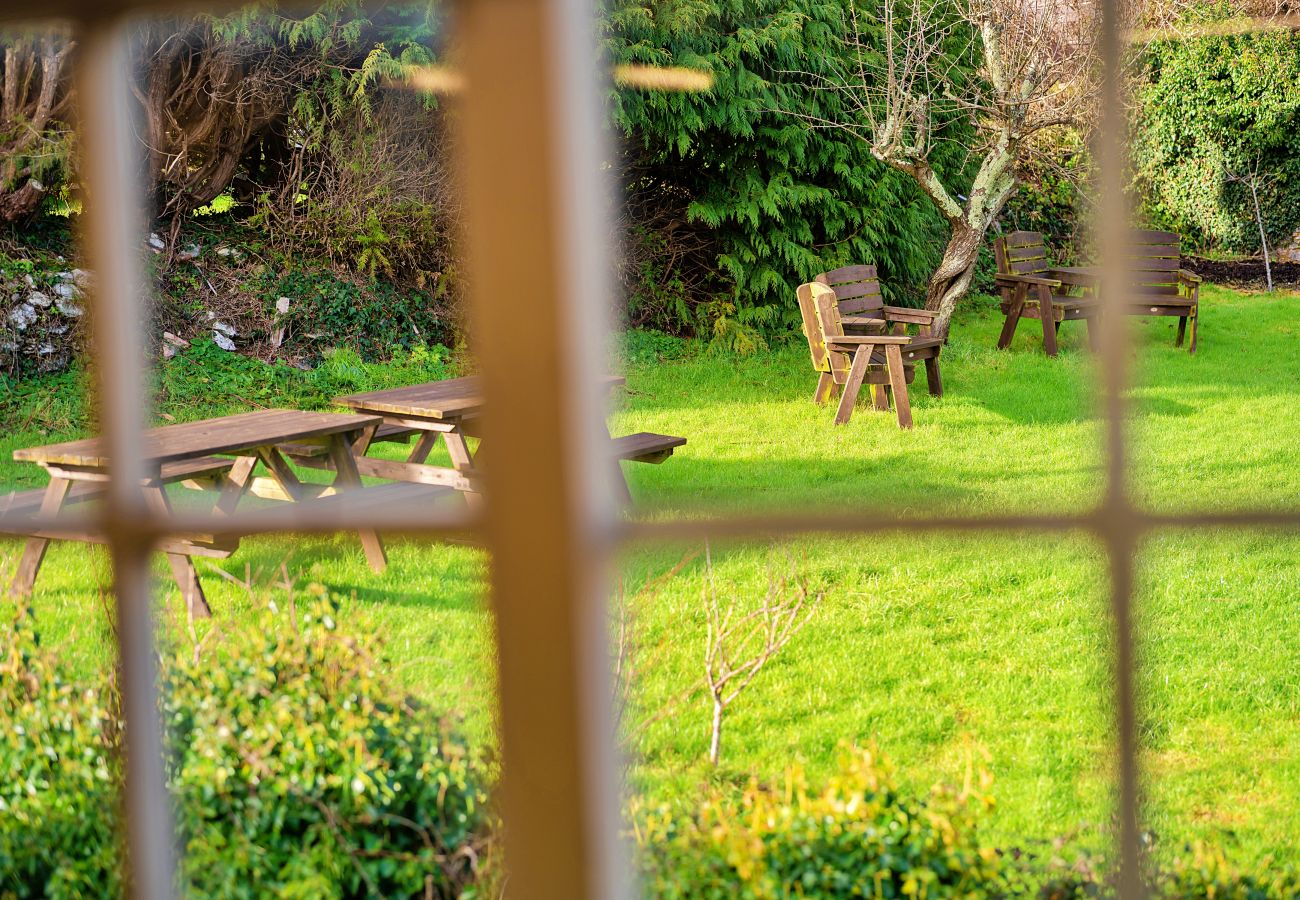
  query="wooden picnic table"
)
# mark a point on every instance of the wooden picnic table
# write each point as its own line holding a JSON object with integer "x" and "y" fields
{"x": 437, "y": 408}
{"x": 449, "y": 409}
{"x": 192, "y": 449}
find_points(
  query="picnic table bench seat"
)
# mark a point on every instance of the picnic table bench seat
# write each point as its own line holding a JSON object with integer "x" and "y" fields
{"x": 23, "y": 503}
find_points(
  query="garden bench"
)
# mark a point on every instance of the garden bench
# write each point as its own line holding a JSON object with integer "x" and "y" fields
{"x": 863, "y": 311}
{"x": 845, "y": 362}
{"x": 1032, "y": 289}
{"x": 1161, "y": 286}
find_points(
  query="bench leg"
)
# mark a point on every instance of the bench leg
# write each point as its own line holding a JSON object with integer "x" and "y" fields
{"x": 898, "y": 381}
{"x": 346, "y": 477}
{"x": 880, "y": 397}
{"x": 1182, "y": 331}
{"x": 932, "y": 378}
{"x": 825, "y": 387}
{"x": 1048, "y": 315}
{"x": 1013, "y": 319}
{"x": 1195, "y": 317}
{"x": 183, "y": 571}
{"x": 853, "y": 384}
{"x": 34, "y": 553}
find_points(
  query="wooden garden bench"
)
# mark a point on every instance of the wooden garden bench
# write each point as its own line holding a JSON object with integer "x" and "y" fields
{"x": 863, "y": 311}
{"x": 845, "y": 362}
{"x": 1033, "y": 289}
{"x": 1161, "y": 286}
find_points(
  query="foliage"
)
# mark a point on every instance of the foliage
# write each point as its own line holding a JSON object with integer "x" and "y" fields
{"x": 297, "y": 767}
{"x": 58, "y": 776}
{"x": 780, "y": 201}
{"x": 857, "y": 835}
{"x": 375, "y": 317}
{"x": 1211, "y": 108}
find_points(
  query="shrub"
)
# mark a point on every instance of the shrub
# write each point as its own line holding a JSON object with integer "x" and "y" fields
{"x": 856, "y": 836}
{"x": 778, "y": 201}
{"x": 298, "y": 769}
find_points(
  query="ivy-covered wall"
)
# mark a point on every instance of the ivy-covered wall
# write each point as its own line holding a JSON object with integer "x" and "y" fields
{"x": 1215, "y": 108}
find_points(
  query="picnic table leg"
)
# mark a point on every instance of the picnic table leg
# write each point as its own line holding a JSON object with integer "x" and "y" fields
{"x": 1094, "y": 335}
{"x": 183, "y": 571}
{"x": 34, "y": 553}
{"x": 346, "y": 477}
{"x": 462, "y": 460}
{"x": 898, "y": 381}
{"x": 423, "y": 447}
{"x": 236, "y": 484}
{"x": 853, "y": 384}
{"x": 283, "y": 473}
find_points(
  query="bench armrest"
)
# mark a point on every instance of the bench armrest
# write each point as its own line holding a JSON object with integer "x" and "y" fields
{"x": 909, "y": 315}
{"x": 857, "y": 340}
{"x": 1190, "y": 277}
{"x": 1028, "y": 279}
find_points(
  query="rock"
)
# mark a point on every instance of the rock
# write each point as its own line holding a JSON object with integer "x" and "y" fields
{"x": 223, "y": 328}
{"x": 232, "y": 253}
{"x": 45, "y": 350}
{"x": 222, "y": 341}
{"x": 168, "y": 351}
{"x": 57, "y": 329}
{"x": 22, "y": 315}
{"x": 175, "y": 340}
{"x": 281, "y": 310}
{"x": 69, "y": 308}
{"x": 36, "y": 298}
{"x": 156, "y": 243}
{"x": 82, "y": 278}
{"x": 66, "y": 291}
{"x": 190, "y": 251}
{"x": 30, "y": 281}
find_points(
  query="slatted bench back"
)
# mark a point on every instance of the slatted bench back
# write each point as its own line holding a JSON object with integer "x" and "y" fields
{"x": 857, "y": 288}
{"x": 821, "y": 321}
{"x": 1021, "y": 253}
{"x": 1155, "y": 259}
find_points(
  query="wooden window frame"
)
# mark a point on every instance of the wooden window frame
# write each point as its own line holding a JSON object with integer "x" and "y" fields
{"x": 550, "y": 524}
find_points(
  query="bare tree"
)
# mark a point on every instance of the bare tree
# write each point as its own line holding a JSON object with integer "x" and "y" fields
{"x": 35, "y": 139}
{"x": 1252, "y": 179}
{"x": 1012, "y": 69}
{"x": 741, "y": 642}
{"x": 1008, "y": 69}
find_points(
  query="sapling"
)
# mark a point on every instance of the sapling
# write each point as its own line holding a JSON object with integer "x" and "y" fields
{"x": 740, "y": 642}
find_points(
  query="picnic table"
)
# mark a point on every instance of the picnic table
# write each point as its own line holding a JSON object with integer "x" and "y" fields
{"x": 223, "y": 450}
{"x": 449, "y": 409}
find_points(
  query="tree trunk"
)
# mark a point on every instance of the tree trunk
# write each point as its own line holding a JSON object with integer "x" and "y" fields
{"x": 715, "y": 741}
{"x": 952, "y": 279}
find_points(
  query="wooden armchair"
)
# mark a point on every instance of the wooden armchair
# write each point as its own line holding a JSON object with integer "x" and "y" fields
{"x": 1032, "y": 289}
{"x": 847, "y": 361}
{"x": 863, "y": 311}
{"x": 1161, "y": 287}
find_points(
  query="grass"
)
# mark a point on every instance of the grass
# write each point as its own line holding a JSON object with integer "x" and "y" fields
{"x": 943, "y": 649}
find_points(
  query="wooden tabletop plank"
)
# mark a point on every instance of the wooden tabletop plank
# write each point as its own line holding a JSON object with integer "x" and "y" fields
{"x": 452, "y": 398}
{"x": 226, "y": 434}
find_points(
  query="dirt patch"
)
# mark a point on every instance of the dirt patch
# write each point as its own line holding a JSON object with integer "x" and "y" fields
{"x": 1242, "y": 272}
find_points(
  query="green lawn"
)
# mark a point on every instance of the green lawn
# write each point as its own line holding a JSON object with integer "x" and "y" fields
{"x": 941, "y": 649}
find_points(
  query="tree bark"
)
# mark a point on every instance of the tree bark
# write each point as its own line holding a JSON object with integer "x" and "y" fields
{"x": 952, "y": 279}
{"x": 715, "y": 739}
